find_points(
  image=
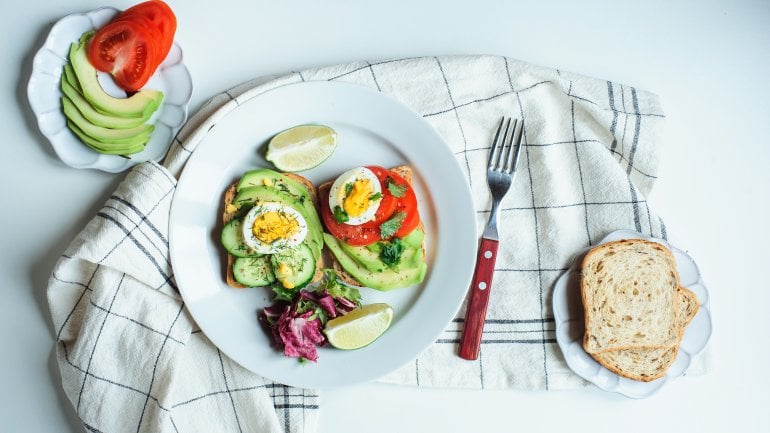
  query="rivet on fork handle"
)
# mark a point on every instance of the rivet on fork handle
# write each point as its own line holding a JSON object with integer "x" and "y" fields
{"x": 477, "y": 304}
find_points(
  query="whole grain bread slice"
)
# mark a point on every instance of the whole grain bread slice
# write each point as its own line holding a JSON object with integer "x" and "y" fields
{"x": 230, "y": 211}
{"x": 649, "y": 364}
{"x": 402, "y": 170}
{"x": 629, "y": 291}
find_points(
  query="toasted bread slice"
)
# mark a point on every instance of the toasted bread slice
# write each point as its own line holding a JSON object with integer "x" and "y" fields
{"x": 629, "y": 291}
{"x": 402, "y": 170}
{"x": 649, "y": 364}
{"x": 229, "y": 213}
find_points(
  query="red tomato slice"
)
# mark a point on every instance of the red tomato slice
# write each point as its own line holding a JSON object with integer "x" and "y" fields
{"x": 364, "y": 234}
{"x": 161, "y": 17}
{"x": 125, "y": 49}
{"x": 369, "y": 233}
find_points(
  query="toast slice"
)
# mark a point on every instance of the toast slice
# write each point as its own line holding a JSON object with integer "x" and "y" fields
{"x": 629, "y": 290}
{"x": 229, "y": 213}
{"x": 649, "y": 364}
{"x": 403, "y": 171}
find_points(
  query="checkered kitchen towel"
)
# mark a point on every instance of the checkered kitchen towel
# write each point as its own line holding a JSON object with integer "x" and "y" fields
{"x": 132, "y": 359}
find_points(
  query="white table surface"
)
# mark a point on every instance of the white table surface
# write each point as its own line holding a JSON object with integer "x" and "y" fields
{"x": 708, "y": 60}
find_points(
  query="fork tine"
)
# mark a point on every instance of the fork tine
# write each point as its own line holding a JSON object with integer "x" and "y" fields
{"x": 508, "y": 145}
{"x": 494, "y": 142}
{"x": 499, "y": 145}
{"x": 518, "y": 138}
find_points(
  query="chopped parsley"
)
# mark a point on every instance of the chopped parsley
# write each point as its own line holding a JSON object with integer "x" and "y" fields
{"x": 390, "y": 252}
{"x": 391, "y": 226}
{"x": 331, "y": 283}
{"x": 348, "y": 188}
{"x": 397, "y": 190}
{"x": 340, "y": 215}
{"x": 282, "y": 293}
{"x": 375, "y": 196}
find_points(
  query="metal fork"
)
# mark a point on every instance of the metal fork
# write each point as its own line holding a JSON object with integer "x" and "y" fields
{"x": 500, "y": 173}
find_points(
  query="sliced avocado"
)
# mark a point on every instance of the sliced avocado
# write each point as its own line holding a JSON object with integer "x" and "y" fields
{"x": 412, "y": 240}
{"x": 137, "y": 134}
{"x": 69, "y": 77}
{"x": 106, "y": 148}
{"x": 267, "y": 177}
{"x": 371, "y": 260}
{"x": 93, "y": 116}
{"x": 140, "y": 104}
{"x": 248, "y": 197}
{"x": 385, "y": 280}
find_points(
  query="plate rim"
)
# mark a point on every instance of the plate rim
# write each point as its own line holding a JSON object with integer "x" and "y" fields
{"x": 562, "y": 324}
{"x": 464, "y": 281}
{"x": 103, "y": 162}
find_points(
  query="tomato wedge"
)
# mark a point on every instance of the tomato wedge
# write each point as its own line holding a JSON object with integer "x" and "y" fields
{"x": 369, "y": 233}
{"x": 125, "y": 49}
{"x": 161, "y": 18}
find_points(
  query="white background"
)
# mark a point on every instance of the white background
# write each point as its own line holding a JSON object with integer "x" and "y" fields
{"x": 708, "y": 60}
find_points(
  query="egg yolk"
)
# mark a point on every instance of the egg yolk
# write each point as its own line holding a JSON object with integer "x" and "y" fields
{"x": 272, "y": 226}
{"x": 357, "y": 201}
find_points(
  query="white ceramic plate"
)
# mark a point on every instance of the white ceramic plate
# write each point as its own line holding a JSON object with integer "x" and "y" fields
{"x": 44, "y": 93}
{"x": 373, "y": 129}
{"x": 570, "y": 326}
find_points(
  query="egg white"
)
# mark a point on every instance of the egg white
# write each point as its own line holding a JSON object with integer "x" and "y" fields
{"x": 337, "y": 194}
{"x": 280, "y": 244}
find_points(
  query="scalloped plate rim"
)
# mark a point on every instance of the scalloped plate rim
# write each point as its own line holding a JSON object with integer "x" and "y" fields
{"x": 593, "y": 372}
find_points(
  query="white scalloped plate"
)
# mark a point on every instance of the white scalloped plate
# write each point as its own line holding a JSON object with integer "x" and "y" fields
{"x": 172, "y": 78}
{"x": 568, "y": 315}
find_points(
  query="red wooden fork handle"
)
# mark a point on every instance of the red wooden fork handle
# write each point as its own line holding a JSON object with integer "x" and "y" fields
{"x": 477, "y": 305}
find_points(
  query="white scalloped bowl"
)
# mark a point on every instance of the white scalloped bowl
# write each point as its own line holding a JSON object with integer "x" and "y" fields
{"x": 570, "y": 326}
{"x": 172, "y": 78}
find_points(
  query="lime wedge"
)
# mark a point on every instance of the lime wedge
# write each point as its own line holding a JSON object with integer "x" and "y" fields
{"x": 359, "y": 327}
{"x": 301, "y": 147}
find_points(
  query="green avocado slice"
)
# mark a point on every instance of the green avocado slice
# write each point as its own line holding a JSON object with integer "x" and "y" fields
{"x": 385, "y": 280}
{"x": 140, "y": 104}
{"x": 136, "y": 134}
{"x": 106, "y": 148}
{"x": 371, "y": 261}
{"x": 91, "y": 114}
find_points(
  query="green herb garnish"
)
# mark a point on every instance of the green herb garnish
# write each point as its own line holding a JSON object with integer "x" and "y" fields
{"x": 340, "y": 215}
{"x": 390, "y": 252}
{"x": 331, "y": 283}
{"x": 391, "y": 226}
{"x": 375, "y": 196}
{"x": 397, "y": 190}
{"x": 348, "y": 188}
{"x": 282, "y": 293}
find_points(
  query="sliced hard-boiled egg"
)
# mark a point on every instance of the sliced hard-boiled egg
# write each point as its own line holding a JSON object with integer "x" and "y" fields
{"x": 357, "y": 193}
{"x": 271, "y": 227}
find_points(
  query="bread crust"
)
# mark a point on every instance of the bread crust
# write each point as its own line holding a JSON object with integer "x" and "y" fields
{"x": 601, "y": 249}
{"x": 402, "y": 170}
{"x": 649, "y": 362}
{"x": 228, "y": 198}
{"x": 688, "y": 307}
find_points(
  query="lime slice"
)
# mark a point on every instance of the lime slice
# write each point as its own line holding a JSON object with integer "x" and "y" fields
{"x": 301, "y": 147}
{"x": 359, "y": 327}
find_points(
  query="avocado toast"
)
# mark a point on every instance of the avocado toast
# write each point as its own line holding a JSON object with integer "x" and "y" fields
{"x": 389, "y": 263}
{"x": 293, "y": 266}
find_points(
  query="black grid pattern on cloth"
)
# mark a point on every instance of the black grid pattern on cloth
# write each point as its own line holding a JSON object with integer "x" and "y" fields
{"x": 292, "y": 405}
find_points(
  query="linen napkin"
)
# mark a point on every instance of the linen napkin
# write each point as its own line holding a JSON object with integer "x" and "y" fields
{"x": 132, "y": 359}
